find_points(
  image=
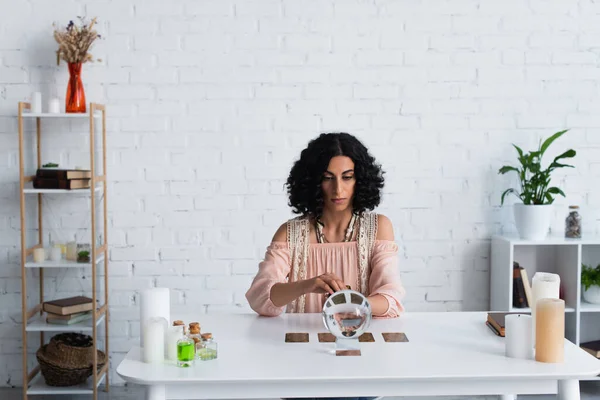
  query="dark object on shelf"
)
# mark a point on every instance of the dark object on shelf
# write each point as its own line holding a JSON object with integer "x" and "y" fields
{"x": 50, "y": 165}
{"x": 519, "y": 295}
{"x": 67, "y": 360}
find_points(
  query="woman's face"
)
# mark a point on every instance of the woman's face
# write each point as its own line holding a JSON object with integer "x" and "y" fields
{"x": 338, "y": 184}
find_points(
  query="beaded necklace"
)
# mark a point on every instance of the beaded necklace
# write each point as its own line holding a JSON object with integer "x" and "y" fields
{"x": 347, "y": 237}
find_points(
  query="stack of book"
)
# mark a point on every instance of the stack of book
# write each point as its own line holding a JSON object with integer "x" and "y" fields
{"x": 68, "y": 311}
{"x": 53, "y": 178}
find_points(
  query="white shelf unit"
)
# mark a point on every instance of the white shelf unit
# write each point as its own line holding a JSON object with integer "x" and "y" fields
{"x": 62, "y": 263}
{"x": 97, "y": 114}
{"x": 39, "y": 324}
{"x": 29, "y": 189}
{"x": 38, "y": 387}
{"x": 556, "y": 255}
{"x": 34, "y": 319}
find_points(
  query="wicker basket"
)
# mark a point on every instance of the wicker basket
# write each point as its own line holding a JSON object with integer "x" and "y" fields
{"x": 67, "y": 360}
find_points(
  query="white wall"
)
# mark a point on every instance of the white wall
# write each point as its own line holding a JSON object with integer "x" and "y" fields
{"x": 209, "y": 102}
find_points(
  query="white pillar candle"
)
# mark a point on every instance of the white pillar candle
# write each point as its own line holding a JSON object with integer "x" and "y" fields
{"x": 174, "y": 333}
{"x": 154, "y": 331}
{"x": 154, "y": 302}
{"x": 55, "y": 253}
{"x": 54, "y": 106}
{"x": 544, "y": 286}
{"x": 518, "y": 337}
{"x": 39, "y": 255}
{"x": 36, "y": 102}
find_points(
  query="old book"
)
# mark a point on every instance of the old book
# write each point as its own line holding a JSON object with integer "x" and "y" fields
{"x": 48, "y": 183}
{"x": 592, "y": 347}
{"x": 79, "y": 318}
{"x": 526, "y": 286}
{"x": 493, "y": 328}
{"x": 519, "y": 297}
{"x": 63, "y": 173}
{"x": 69, "y": 305}
{"x": 68, "y": 317}
{"x": 497, "y": 320}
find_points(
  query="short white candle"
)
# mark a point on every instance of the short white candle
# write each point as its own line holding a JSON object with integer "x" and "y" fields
{"x": 519, "y": 342}
{"x": 39, "y": 255}
{"x": 54, "y": 106}
{"x": 174, "y": 333}
{"x": 55, "y": 254}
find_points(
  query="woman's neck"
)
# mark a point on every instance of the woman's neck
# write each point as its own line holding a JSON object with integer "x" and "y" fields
{"x": 336, "y": 223}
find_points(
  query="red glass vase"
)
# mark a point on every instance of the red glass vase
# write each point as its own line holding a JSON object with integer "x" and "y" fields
{"x": 75, "y": 93}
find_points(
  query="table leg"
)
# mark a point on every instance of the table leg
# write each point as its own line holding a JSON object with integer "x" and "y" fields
{"x": 156, "y": 392}
{"x": 508, "y": 397}
{"x": 568, "y": 390}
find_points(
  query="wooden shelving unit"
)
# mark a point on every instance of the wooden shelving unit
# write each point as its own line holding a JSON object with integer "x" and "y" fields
{"x": 33, "y": 321}
{"x": 555, "y": 255}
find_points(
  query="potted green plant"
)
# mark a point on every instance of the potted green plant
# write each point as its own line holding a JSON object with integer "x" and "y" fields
{"x": 83, "y": 256}
{"x": 590, "y": 282}
{"x": 533, "y": 214}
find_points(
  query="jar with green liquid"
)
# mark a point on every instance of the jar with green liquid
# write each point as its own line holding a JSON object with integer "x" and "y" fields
{"x": 186, "y": 351}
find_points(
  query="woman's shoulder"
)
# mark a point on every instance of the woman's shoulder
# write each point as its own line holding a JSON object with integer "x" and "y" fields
{"x": 385, "y": 229}
{"x": 281, "y": 235}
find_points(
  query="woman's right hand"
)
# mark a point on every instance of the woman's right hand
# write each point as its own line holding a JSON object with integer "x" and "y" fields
{"x": 326, "y": 283}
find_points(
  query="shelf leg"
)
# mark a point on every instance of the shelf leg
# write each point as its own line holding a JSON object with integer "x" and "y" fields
{"x": 156, "y": 392}
{"x": 568, "y": 390}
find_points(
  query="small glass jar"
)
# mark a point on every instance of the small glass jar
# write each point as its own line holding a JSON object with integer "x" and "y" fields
{"x": 194, "y": 334}
{"x": 573, "y": 223}
{"x": 208, "y": 350}
{"x": 185, "y": 352}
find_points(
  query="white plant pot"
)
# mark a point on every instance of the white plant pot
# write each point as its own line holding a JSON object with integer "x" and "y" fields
{"x": 533, "y": 221}
{"x": 592, "y": 295}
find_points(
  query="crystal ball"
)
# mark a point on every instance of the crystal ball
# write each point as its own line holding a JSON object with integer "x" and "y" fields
{"x": 347, "y": 314}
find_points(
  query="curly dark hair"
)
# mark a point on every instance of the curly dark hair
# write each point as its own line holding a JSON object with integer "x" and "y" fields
{"x": 304, "y": 182}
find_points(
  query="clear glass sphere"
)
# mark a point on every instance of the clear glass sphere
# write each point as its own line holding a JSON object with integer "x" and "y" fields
{"x": 347, "y": 314}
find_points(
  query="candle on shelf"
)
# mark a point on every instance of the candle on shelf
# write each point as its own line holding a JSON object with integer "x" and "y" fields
{"x": 544, "y": 286}
{"x": 36, "y": 102}
{"x": 54, "y": 106}
{"x": 550, "y": 330}
{"x": 154, "y": 331}
{"x": 39, "y": 255}
{"x": 519, "y": 343}
{"x": 55, "y": 253}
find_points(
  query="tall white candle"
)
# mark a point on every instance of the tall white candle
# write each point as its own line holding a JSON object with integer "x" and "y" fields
{"x": 518, "y": 339}
{"x": 36, "y": 102}
{"x": 154, "y": 331}
{"x": 154, "y": 302}
{"x": 544, "y": 286}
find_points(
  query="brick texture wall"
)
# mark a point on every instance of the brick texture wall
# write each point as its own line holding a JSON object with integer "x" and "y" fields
{"x": 209, "y": 103}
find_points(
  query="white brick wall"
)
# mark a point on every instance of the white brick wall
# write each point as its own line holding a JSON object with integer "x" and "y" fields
{"x": 209, "y": 103}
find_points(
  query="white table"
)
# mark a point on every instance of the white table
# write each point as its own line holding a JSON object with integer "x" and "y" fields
{"x": 447, "y": 354}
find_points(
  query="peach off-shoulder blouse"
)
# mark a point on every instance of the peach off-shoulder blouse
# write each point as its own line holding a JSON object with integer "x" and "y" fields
{"x": 338, "y": 258}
